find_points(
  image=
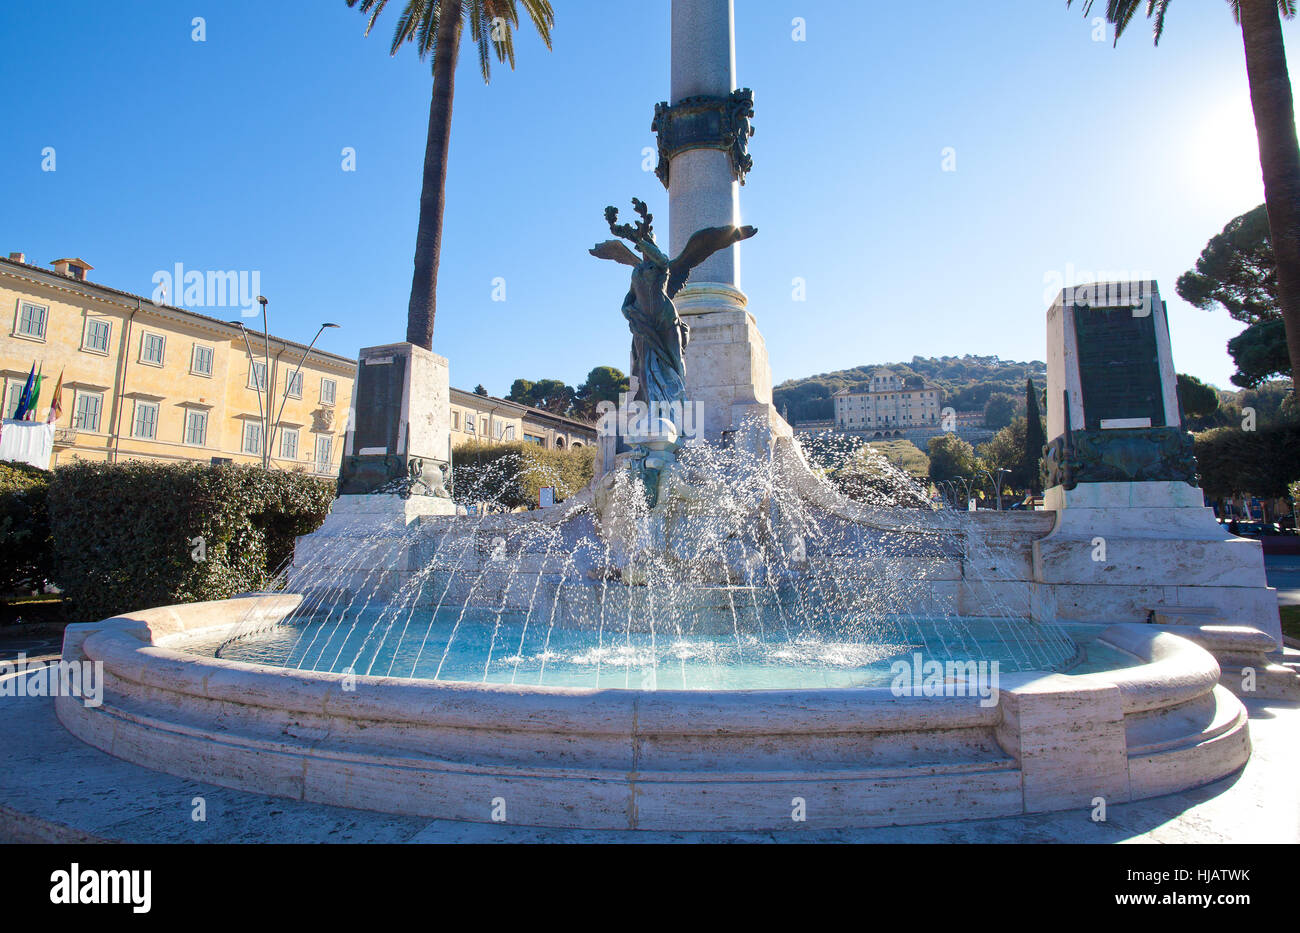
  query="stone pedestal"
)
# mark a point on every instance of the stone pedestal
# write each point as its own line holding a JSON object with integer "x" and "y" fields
{"x": 399, "y": 438}
{"x": 1133, "y": 540}
{"x": 727, "y": 372}
{"x": 1148, "y": 552}
{"x": 396, "y": 466}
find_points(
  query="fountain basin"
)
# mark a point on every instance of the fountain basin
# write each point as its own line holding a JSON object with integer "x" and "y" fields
{"x": 653, "y": 759}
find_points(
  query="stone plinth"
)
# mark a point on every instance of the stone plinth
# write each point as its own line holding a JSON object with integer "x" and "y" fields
{"x": 1133, "y": 538}
{"x": 400, "y": 432}
{"x": 727, "y": 371}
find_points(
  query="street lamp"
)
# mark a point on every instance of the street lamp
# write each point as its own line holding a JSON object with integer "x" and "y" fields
{"x": 996, "y": 483}
{"x": 264, "y": 411}
{"x": 257, "y": 384}
{"x": 287, "y": 384}
{"x": 966, "y": 489}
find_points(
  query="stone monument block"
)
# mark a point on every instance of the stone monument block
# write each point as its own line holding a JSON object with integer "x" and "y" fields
{"x": 399, "y": 439}
{"x": 1133, "y": 537}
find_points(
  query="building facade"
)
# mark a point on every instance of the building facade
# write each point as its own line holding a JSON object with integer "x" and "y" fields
{"x": 497, "y": 420}
{"x": 155, "y": 382}
{"x": 888, "y": 406}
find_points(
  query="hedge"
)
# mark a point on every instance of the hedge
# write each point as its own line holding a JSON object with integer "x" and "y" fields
{"x": 513, "y": 475}
{"x": 26, "y": 559}
{"x": 149, "y": 534}
{"x": 1262, "y": 462}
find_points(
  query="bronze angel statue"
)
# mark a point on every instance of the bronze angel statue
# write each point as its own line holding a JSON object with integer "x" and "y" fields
{"x": 659, "y": 335}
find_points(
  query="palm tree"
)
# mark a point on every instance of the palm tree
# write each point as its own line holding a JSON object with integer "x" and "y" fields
{"x": 435, "y": 26}
{"x": 1279, "y": 153}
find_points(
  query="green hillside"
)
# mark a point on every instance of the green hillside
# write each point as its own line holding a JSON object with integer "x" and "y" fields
{"x": 967, "y": 382}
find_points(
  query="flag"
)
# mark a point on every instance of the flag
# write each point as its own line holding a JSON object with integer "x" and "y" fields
{"x": 25, "y": 395}
{"x": 30, "y": 414}
{"x": 56, "y": 402}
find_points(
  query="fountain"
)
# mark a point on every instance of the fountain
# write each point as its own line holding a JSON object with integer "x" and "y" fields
{"x": 711, "y": 635}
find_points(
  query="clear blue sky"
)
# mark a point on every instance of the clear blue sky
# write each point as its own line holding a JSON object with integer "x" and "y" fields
{"x": 226, "y": 154}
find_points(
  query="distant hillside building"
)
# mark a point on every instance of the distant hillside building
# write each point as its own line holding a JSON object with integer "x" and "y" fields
{"x": 888, "y": 406}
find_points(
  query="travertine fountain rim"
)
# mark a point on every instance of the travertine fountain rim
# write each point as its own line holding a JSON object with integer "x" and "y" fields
{"x": 652, "y": 759}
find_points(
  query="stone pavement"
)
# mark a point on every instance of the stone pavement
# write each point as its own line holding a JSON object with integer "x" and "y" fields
{"x": 55, "y": 788}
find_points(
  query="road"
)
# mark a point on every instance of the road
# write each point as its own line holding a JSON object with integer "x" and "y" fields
{"x": 1284, "y": 573}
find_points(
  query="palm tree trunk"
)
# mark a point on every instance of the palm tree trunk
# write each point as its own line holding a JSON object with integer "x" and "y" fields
{"x": 1279, "y": 156}
{"x": 428, "y": 238}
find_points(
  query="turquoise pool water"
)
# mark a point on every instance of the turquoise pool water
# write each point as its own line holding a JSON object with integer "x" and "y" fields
{"x": 482, "y": 646}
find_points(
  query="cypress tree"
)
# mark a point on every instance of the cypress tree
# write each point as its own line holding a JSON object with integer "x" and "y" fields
{"x": 1035, "y": 439}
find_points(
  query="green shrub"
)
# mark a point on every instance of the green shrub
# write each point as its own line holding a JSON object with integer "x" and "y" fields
{"x": 26, "y": 560}
{"x": 1262, "y": 462}
{"x": 141, "y": 534}
{"x": 513, "y": 474}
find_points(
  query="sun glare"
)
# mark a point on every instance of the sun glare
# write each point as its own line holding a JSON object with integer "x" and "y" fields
{"x": 1221, "y": 162}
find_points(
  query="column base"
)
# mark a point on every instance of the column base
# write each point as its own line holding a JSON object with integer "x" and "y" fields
{"x": 727, "y": 371}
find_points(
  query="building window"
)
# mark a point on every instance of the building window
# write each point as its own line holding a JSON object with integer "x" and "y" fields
{"x": 145, "y": 423}
{"x": 201, "y": 363}
{"x": 196, "y": 428}
{"x": 31, "y": 320}
{"x": 294, "y": 388}
{"x": 534, "y": 439}
{"x": 328, "y": 387}
{"x": 483, "y": 423}
{"x": 11, "y": 398}
{"x": 257, "y": 375}
{"x": 95, "y": 339}
{"x": 151, "y": 348}
{"x": 288, "y": 443}
{"x": 469, "y": 424}
{"x": 455, "y": 421}
{"x": 252, "y": 437}
{"x": 86, "y": 414}
{"x": 324, "y": 453}
{"x": 510, "y": 432}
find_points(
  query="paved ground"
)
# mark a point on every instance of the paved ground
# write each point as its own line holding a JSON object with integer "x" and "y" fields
{"x": 55, "y": 788}
{"x": 1284, "y": 573}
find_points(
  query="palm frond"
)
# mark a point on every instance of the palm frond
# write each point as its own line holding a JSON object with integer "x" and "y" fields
{"x": 491, "y": 23}
{"x": 1120, "y": 13}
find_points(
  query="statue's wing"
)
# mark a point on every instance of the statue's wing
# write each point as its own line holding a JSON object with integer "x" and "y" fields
{"x": 702, "y": 244}
{"x": 615, "y": 250}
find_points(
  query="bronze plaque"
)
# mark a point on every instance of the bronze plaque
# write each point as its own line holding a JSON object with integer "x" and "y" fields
{"x": 1119, "y": 365}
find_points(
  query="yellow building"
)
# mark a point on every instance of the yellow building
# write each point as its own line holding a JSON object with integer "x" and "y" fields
{"x": 487, "y": 418}
{"x": 889, "y": 406}
{"x": 149, "y": 381}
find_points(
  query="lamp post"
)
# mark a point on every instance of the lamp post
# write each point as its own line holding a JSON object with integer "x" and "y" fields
{"x": 266, "y": 418}
{"x": 257, "y": 384}
{"x": 996, "y": 483}
{"x": 264, "y": 411}
{"x": 966, "y": 488}
{"x": 289, "y": 382}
